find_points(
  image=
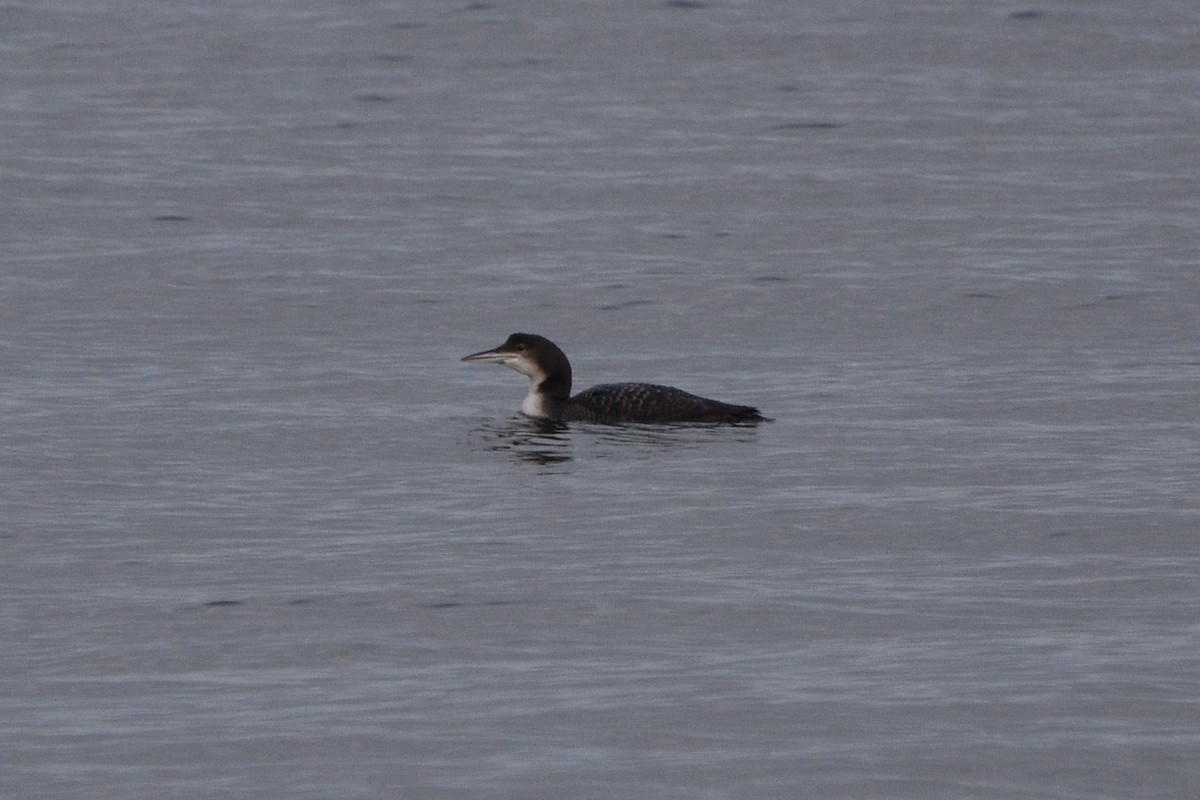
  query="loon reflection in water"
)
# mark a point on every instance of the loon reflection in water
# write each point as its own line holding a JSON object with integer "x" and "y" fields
{"x": 549, "y": 373}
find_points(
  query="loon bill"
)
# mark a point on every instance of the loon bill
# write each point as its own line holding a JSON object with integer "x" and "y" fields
{"x": 549, "y": 373}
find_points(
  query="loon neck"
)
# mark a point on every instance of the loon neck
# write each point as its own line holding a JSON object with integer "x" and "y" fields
{"x": 548, "y": 396}
{"x": 555, "y": 384}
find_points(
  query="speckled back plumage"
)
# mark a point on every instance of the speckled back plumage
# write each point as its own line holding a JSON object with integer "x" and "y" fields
{"x": 648, "y": 402}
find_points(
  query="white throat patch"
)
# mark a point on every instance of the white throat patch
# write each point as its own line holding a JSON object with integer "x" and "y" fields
{"x": 534, "y": 404}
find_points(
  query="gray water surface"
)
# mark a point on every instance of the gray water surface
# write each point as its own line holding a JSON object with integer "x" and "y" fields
{"x": 264, "y": 536}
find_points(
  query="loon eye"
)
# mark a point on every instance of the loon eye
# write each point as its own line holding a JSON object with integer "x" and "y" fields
{"x": 520, "y": 348}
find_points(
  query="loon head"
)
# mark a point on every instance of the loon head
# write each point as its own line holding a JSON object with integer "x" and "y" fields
{"x": 540, "y": 360}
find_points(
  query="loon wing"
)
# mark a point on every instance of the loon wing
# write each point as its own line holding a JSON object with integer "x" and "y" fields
{"x": 647, "y": 402}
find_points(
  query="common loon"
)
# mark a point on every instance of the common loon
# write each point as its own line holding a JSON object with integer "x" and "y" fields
{"x": 549, "y": 397}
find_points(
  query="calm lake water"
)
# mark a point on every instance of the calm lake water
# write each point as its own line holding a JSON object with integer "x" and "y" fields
{"x": 264, "y": 536}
